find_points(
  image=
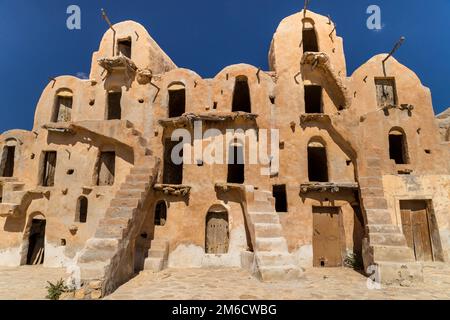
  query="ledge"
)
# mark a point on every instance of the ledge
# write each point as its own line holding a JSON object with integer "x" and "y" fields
{"x": 60, "y": 127}
{"x": 401, "y": 107}
{"x": 229, "y": 186}
{"x": 173, "y": 189}
{"x": 327, "y": 187}
{"x": 117, "y": 63}
{"x": 314, "y": 117}
{"x": 189, "y": 118}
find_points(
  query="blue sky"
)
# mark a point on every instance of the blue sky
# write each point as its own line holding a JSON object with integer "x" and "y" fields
{"x": 205, "y": 36}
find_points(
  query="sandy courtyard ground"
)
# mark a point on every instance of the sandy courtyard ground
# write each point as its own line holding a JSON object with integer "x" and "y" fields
{"x": 225, "y": 284}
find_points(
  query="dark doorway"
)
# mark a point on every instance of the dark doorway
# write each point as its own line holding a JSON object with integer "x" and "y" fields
{"x": 358, "y": 234}
{"x": 124, "y": 47}
{"x": 279, "y": 193}
{"x": 328, "y": 239}
{"x": 114, "y": 105}
{"x": 7, "y": 164}
{"x": 317, "y": 163}
{"x": 49, "y": 168}
{"x": 310, "y": 40}
{"x": 36, "y": 242}
{"x": 313, "y": 99}
{"x": 82, "y": 210}
{"x": 106, "y": 168}
{"x": 160, "y": 213}
{"x": 173, "y": 173}
{"x": 241, "y": 95}
{"x": 217, "y": 233}
{"x": 177, "y": 101}
{"x": 397, "y": 147}
{"x": 236, "y": 167}
{"x": 416, "y": 228}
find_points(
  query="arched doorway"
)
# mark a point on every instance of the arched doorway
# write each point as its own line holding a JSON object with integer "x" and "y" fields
{"x": 217, "y": 237}
{"x": 35, "y": 253}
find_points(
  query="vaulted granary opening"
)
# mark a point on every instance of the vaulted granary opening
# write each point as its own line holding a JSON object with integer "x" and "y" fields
{"x": 217, "y": 232}
{"x": 106, "y": 168}
{"x": 36, "y": 242}
{"x": 317, "y": 162}
{"x": 310, "y": 43}
{"x": 241, "y": 95}
{"x": 7, "y": 163}
{"x": 328, "y": 237}
{"x": 313, "y": 99}
{"x": 124, "y": 47}
{"x": 398, "y": 148}
{"x": 236, "y": 166}
{"x": 279, "y": 193}
{"x": 173, "y": 168}
{"x": 82, "y": 210}
{"x": 114, "y": 111}
{"x": 63, "y": 106}
{"x": 48, "y": 169}
{"x": 160, "y": 213}
{"x": 177, "y": 100}
{"x": 386, "y": 92}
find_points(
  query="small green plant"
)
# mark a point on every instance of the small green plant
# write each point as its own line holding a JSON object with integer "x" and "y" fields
{"x": 55, "y": 290}
{"x": 353, "y": 261}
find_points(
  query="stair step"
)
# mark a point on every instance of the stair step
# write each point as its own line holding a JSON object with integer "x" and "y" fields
{"x": 267, "y": 230}
{"x": 154, "y": 264}
{"x": 280, "y": 273}
{"x": 98, "y": 250}
{"x": 120, "y": 212}
{"x": 378, "y": 216}
{"x": 264, "y": 217}
{"x": 125, "y": 202}
{"x": 393, "y": 253}
{"x": 372, "y": 192}
{"x": 375, "y": 203}
{"x": 135, "y": 185}
{"x": 274, "y": 258}
{"x": 133, "y": 178}
{"x": 92, "y": 270}
{"x": 130, "y": 193}
{"x": 148, "y": 170}
{"x": 272, "y": 244}
{"x": 159, "y": 244}
{"x": 394, "y": 239}
{"x": 261, "y": 206}
{"x": 110, "y": 232}
{"x": 383, "y": 228}
{"x": 153, "y": 253}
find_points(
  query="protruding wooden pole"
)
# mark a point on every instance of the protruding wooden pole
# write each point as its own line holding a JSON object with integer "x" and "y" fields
{"x": 396, "y": 47}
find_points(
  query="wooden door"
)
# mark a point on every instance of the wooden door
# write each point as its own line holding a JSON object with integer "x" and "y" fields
{"x": 49, "y": 169}
{"x": 217, "y": 233}
{"x": 416, "y": 229}
{"x": 327, "y": 239}
{"x": 64, "y": 109}
{"x": 386, "y": 92}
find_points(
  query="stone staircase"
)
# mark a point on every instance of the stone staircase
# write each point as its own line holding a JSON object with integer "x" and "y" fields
{"x": 273, "y": 259}
{"x": 107, "y": 256}
{"x": 385, "y": 245}
{"x": 158, "y": 255}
